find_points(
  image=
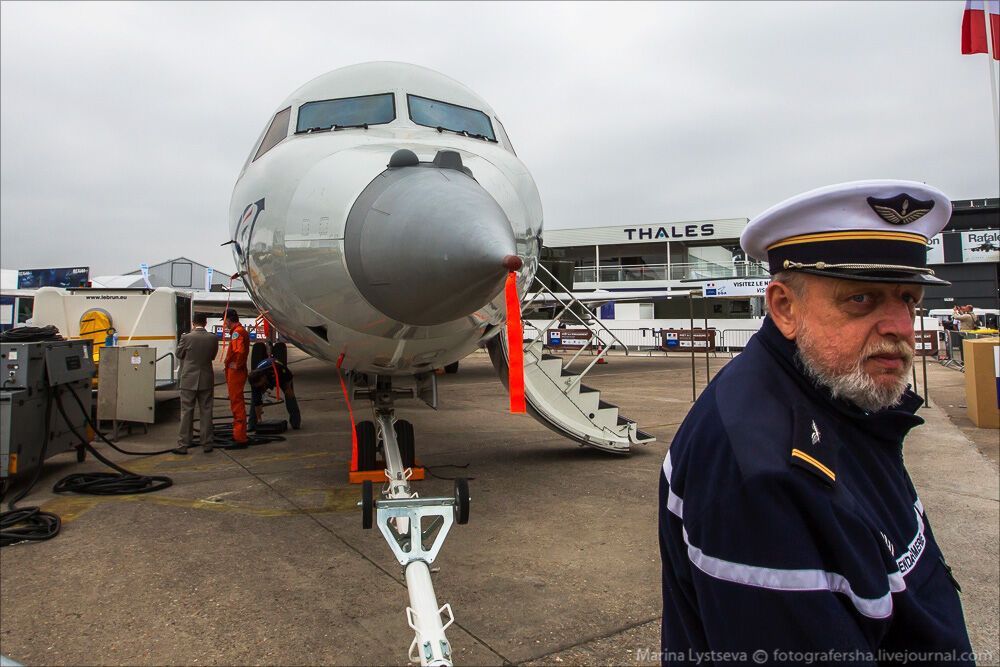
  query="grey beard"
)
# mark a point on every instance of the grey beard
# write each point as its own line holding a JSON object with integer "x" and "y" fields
{"x": 853, "y": 385}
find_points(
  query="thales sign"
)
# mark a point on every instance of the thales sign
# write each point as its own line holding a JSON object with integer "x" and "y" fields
{"x": 668, "y": 232}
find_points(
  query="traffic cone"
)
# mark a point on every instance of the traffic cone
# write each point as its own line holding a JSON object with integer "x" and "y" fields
{"x": 600, "y": 350}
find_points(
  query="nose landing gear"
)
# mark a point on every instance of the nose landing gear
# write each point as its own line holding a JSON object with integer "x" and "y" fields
{"x": 414, "y": 528}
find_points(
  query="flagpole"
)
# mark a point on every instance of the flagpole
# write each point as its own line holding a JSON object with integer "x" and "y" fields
{"x": 991, "y": 49}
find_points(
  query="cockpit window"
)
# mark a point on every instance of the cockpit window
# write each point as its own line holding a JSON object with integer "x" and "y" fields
{"x": 504, "y": 139}
{"x": 445, "y": 116}
{"x": 347, "y": 112}
{"x": 276, "y": 132}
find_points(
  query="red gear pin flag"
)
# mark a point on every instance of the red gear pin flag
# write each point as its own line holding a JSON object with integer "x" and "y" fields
{"x": 515, "y": 338}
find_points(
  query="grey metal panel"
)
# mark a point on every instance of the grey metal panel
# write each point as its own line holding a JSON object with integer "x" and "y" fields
{"x": 127, "y": 384}
{"x": 24, "y": 409}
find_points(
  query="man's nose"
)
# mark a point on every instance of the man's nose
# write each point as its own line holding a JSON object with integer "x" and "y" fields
{"x": 896, "y": 319}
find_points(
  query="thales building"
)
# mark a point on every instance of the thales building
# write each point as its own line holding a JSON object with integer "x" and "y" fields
{"x": 643, "y": 257}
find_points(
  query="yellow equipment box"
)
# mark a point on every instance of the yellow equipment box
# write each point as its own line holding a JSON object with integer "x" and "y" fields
{"x": 982, "y": 378}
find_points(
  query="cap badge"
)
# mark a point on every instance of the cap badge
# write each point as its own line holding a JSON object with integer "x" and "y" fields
{"x": 901, "y": 209}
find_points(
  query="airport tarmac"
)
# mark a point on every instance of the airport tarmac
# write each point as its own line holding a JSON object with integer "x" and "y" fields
{"x": 257, "y": 556}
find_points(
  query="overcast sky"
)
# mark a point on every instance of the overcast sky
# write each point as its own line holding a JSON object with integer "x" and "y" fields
{"x": 123, "y": 126}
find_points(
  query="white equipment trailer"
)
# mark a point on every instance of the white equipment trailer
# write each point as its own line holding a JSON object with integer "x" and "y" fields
{"x": 140, "y": 317}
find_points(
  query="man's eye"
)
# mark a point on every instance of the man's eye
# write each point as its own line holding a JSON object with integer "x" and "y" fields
{"x": 860, "y": 298}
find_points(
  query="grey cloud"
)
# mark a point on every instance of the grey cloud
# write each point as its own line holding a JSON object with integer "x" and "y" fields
{"x": 124, "y": 125}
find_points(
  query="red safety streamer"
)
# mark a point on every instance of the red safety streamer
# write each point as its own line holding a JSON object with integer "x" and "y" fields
{"x": 515, "y": 346}
{"x": 277, "y": 382}
{"x": 354, "y": 431}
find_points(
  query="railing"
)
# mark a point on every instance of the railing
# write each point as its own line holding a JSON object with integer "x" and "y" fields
{"x": 173, "y": 360}
{"x": 594, "y": 325}
{"x": 682, "y": 271}
{"x": 950, "y": 352}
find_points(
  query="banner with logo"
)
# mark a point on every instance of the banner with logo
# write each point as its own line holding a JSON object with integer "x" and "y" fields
{"x": 935, "y": 250}
{"x": 981, "y": 246}
{"x": 208, "y": 279}
{"x": 737, "y": 287}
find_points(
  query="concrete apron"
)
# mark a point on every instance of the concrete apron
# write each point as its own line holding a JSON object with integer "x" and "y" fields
{"x": 258, "y": 556}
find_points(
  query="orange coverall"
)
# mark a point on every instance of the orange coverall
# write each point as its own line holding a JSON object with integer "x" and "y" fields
{"x": 236, "y": 379}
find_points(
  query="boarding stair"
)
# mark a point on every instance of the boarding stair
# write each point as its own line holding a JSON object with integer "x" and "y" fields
{"x": 555, "y": 395}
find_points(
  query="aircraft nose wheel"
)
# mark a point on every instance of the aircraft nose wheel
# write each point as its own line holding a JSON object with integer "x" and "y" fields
{"x": 462, "y": 500}
{"x": 367, "y": 504}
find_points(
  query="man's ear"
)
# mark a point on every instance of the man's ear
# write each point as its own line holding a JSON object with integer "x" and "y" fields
{"x": 783, "y": 305}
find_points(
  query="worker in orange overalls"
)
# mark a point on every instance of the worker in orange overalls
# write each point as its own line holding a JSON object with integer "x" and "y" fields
{"x": 236, "y": 373}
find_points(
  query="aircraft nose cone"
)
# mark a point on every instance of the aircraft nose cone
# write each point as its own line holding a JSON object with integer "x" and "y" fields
{"x": 427, "y": 245}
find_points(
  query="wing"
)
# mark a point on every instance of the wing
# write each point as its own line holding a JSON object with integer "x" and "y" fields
{"x": 913, "y": 216}
{"x": 890, "y": 215}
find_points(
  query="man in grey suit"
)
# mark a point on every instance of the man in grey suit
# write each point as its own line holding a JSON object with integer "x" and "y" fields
{"x": 196, "y": 350}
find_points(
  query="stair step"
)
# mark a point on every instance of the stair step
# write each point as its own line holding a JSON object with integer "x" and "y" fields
{"x": 566, "y": 373}
{"x": 584, "y": 389}
{"x": 550, "y": 356}
{"x": 551, "y": 367}
{"x": 605, "y": 404}
{"x": 642, "y": 436}
{"x": 624, "y": 421}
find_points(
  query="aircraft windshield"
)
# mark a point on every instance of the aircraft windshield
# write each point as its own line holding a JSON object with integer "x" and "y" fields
{"x": 347, "y": 112}
{"x": 444, "y": 116}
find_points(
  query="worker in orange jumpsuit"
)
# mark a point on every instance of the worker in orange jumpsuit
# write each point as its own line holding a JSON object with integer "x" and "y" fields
{"x": 236, "y": 373}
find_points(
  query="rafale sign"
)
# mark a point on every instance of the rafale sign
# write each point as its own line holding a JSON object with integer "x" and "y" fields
{"x": 668, "y": 232}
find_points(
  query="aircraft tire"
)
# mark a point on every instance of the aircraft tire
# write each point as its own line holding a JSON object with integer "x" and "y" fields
{"x": 407, "y": 442}
{"x": 367, "y": 504}
{"x": 462, "y": 500}
{"x": 451, "y": 368}
{"x": 367, "y": 444}
{"x": 258, "y": 353}
{"x": 280, "y": 352}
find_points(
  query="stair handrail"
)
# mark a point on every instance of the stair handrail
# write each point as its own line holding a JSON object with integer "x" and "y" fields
{"x": 568, "y": 305}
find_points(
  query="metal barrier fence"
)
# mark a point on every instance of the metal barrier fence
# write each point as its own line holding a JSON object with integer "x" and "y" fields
{"x": 950, "y": 347}
{"x": 650, "y": 339}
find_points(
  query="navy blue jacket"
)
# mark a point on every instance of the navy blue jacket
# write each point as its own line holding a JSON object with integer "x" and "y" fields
{"x": 788, "y": 523}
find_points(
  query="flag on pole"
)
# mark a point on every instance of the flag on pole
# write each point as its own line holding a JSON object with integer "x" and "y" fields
{"x": 144, "y": 268}
{"x": 974, "y": 38}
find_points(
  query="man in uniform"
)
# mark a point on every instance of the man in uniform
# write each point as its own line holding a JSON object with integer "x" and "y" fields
{"x": 236, "y": 373}
{"x": 269, "y": 374}
{"x": 787, "y": 520}
{"x": 196, "y": 350}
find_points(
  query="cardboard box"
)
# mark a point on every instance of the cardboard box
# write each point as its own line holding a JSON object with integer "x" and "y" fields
{"x": 982, "y": 377}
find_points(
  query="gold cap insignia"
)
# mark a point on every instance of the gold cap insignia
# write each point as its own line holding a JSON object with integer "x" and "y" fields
{"x": 901, "y": 209}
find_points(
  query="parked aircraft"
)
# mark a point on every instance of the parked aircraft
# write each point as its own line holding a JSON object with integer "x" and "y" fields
{"x": 375, "y": 223}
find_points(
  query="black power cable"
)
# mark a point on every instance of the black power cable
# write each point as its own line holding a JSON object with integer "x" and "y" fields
{"x": 124, "y": 482}
{"x": 30, "y": 524}
{"x": 30, "y": 335}
{"x": 104, "y": 438}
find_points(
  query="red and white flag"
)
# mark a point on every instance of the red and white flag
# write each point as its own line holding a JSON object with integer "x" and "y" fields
{"x": 974, "y": 26}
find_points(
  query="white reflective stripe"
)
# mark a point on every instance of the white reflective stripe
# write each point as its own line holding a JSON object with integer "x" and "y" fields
{"x": 674, "y": 502}
{"x": 920, "y": 507}
{"x": 780, "y": 579}
{"x": 915, "y": 548}
{"x": 788, "y": 580}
